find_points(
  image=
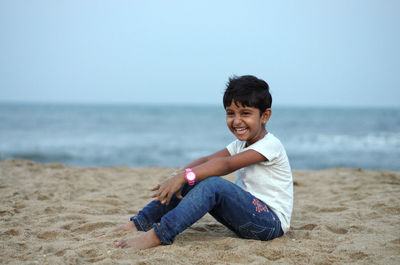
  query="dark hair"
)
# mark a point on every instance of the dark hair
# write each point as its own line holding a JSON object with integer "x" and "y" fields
{"x": 249, "y": 91}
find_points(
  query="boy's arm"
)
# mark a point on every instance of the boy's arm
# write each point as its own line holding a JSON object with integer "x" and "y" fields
{"x": 220, "y": 166}
{"x": 222, "y": 153}
{"x": 217, "y": 165}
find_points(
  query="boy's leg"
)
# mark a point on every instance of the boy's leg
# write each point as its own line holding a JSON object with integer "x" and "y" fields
{"x": 228, "y": 203}
{"x": 148, "y": 216}
{"x": 248, "y": 217}
{"x": 153, "y": 211}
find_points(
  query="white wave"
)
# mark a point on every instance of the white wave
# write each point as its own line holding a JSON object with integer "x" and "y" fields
{"x": 342, "y": 142}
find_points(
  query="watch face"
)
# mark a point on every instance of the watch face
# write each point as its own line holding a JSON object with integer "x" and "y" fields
{"x": 190, "y": 176}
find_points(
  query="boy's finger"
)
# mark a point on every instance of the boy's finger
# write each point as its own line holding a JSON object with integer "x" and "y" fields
{"x": 169, "y": 196}
{"x": 179, "y": 195}
{"x": 156, "y": 187}
{"x": 160, "y": 198}
{"x": 163, "y": 194}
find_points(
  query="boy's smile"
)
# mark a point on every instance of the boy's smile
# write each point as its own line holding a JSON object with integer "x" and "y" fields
{"x": 246, "y": 123}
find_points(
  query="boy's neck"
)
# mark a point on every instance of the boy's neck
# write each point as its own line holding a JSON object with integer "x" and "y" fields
{"x": 264, "y": 134}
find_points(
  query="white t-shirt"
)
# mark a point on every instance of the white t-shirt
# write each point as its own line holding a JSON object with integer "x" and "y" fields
{"x": 270, "y": 181}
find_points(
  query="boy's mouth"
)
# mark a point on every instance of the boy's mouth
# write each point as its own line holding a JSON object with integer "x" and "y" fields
{"x": 240, "y": 131}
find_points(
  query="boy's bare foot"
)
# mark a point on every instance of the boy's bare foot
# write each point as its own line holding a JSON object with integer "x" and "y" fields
{"x": 144, "y": 241}
{"x": 126, "y": 227}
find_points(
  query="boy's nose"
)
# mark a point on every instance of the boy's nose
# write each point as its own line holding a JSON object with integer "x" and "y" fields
{"x": 237, "y": 121}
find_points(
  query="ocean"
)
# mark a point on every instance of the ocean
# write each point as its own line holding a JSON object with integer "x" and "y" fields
{"x": 174, "y": 135}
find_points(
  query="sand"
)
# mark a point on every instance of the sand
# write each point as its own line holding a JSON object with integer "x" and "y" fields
{"x": 50, "y": 213}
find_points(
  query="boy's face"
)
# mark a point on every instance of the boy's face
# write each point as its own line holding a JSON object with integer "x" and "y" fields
{"x": 246, "y": 123}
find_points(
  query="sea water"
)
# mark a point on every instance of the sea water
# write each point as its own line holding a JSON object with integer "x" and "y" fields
{"x": 172, "y": 135}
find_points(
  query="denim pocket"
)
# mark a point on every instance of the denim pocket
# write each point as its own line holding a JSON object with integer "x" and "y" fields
{"x": 254, "y": 231}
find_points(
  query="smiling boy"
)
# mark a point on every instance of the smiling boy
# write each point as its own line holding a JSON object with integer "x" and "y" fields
{"x": 258, "y": 207}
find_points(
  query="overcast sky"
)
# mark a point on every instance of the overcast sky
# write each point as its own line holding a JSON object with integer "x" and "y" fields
{"x": 311, "y": 52}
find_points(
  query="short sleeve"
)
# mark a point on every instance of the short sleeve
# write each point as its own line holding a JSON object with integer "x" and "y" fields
{"x": 234, "y": 147}
{"x": 269, "y": 147}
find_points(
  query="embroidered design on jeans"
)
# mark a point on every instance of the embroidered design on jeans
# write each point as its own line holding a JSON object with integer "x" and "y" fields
{"x": 260, "y": 207}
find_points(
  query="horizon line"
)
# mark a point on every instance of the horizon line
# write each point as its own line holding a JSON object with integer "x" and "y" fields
{"x": 197, "y": 104}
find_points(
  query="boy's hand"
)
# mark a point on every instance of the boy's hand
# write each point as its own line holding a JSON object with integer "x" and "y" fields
{"x": 167, "y": 188}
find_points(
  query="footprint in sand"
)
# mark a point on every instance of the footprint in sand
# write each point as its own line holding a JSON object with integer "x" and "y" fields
{"x": 9, "y": 234}
{"x": 308, "y": 227}
{"x": 213, "y": 227}
{"x": 198, "y": 228}
{"x": 51, "y": 235}
{"x": 332, "y": 210}
{"x": 396, "y": 241}
{"x": 357, "y": 256}
{"x": 91, "y": 254}
{"x": 337, "y": 230}
{"x": 92, "y": 226}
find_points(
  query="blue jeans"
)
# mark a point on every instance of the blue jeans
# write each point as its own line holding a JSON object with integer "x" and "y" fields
{"x": 229, "y": 204}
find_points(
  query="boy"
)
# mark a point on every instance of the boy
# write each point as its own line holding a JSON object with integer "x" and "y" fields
{"x": 259, "y": 206}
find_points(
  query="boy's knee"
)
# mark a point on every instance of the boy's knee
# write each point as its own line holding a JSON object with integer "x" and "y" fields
{"x": 207, "y": 183}
{"x": 212, "y": 178}
{"x": 211, "y": 182}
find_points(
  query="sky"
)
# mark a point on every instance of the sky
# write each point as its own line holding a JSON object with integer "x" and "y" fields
{"x": 311, "y": 52}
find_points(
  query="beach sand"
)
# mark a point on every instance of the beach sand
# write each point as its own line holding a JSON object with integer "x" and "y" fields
{"x": 50, "y": 213}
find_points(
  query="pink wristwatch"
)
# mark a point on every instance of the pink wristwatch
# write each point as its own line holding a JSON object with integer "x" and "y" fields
{"x": 190, "y": 176}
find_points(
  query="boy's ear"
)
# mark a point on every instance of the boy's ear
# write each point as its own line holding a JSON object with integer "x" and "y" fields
{"x": 266, "y": 115}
